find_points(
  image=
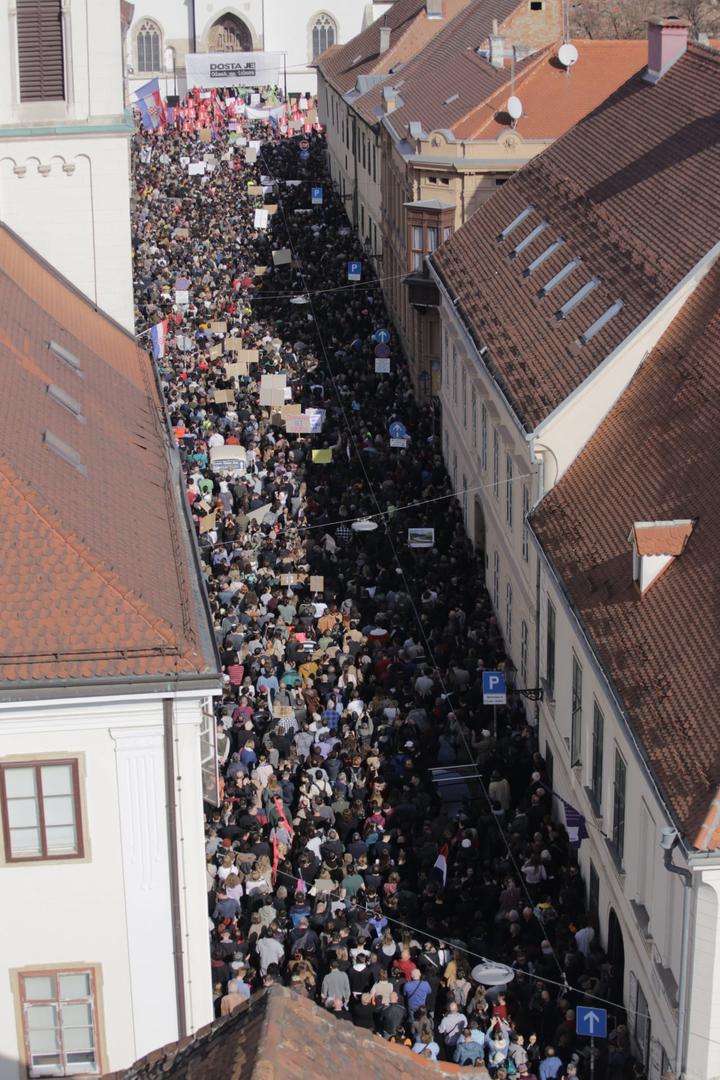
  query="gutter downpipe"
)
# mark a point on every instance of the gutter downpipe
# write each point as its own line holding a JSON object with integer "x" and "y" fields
{"x": 686, "y": 875}
{"x": 193, "y": 26}
{"x": 172, "y": 837}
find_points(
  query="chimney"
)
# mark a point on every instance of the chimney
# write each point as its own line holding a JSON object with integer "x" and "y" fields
{"x": 385, "y": 32}
{"x": 389, "y": 99}
{"x": 497, "y": 51}
{"x": 434, "y": 9}
{"x": 667, "y": 41}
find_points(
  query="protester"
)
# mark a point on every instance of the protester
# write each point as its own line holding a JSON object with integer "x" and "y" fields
{"x": 352, "y": 660}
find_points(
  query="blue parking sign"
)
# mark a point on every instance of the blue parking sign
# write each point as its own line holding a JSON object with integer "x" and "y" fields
{"x": 316, "y": 196}
{"x": 589, "y": 1020}
{"x": 494, "y": 690}
{"x": 354, "y": 271}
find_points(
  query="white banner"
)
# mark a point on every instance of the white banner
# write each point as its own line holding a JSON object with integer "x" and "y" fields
{"x": 234, "y": 69}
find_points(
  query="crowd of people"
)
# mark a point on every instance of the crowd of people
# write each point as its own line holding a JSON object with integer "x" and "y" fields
{"x": 341, "y": 860}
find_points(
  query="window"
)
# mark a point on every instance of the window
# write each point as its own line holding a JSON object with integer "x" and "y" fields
{"x": 508, "y": 614}
{"x": 523, "y": 652}
{"x": 640, "y": 1020}
{"x": 484, "y": 437}
{"x": 41, "y": 810}
{"x": 425, "y": 229}
{"x": 536, "y": 5}
{"x": 473, "y": 417}
{"x": 417, "y": 250}
{"x": 593, "y": 890}
{"x": 598, "y": 736}
{"x": 324, "y": 34}
{"x": 464, "y": 397}
{"x": 208, "y": 759}
{"x": 526, "y": 530}
{"x": 454, "y": 375}
{"x": 618, "y": 833}
{"x": 576, "y": 718}
{"x": 447, "y": 233}
{"x": 550, "y": 650}
{"x": 496, "y": 463}
{"x": 509, "y": 490}
{"x": 496, "y": 580}
{"x": 454, "y": 471}
{"x": 41, "y": 60}
{"x": 229, "y": 34}
{"x": 59, "y": 1023}
{"x": 149, "y": 47}
{"x": 432, "y": 237}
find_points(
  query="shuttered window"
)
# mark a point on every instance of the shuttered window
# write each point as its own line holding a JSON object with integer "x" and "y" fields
{"x": 40, "y": 50}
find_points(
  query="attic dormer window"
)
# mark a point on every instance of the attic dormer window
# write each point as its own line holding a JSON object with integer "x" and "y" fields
{"x": 655, "y": 544}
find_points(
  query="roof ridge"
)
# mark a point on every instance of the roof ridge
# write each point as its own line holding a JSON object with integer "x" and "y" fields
{"x": 50, "y": 519}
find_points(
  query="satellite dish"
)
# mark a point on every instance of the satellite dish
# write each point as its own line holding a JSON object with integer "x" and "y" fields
{"x": 514, "y": 108}
{"x": 567, "y": 55}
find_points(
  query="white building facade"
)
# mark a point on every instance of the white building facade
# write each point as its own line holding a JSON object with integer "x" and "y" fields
{"x": 163, "y": 31}
{"x": 109, "y": 790}
{"x": 64, "y": 143}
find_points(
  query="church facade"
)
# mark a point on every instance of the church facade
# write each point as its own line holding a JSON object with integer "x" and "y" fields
{"x": 164, "y": 31}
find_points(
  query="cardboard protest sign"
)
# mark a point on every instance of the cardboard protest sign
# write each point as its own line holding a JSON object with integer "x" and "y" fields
{"x": 272, "y": 389}
{"x": 260, "y": 220}
{"x": 271, "y": 208}
{"x": 293, "y": 409}
{"x": 250, "y": 155}
{"x": 207, "y": 523}
{"x": 235, "y": 371}
{"x": 282, "y": 257}
{"x": 317, "y": 583}
{"x": 317, "y": 418}
{"x": 421, "y": 538}
{"x": 182, "y": 297}
{"x": 184, "y": 161}
{"x": 196, "y": 168}
{"x": 260, "y": 271}
{"x": 209, "y": 159}
{"x": 288, "y": 579}
{"x": 218, "y": 327}
{"x": 233, "y": 344}
{"x": 249, "y": 356}
{"x": 182, "y": 234}
{"x": 224, "y": 397}
{"x": 259, "y": 514}
{"x": 205, "y": 134}
{"x": 255, "y": 189}
{"x": 322, "y": 457}
{"x": 216, "y": 351}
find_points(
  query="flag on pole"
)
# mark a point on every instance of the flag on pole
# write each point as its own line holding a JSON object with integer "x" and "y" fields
{"x": 150, "y": 105}
{"x": 575, "y": 825}
{"x": 158, "y": 334}
{"x": 439, "y": 869}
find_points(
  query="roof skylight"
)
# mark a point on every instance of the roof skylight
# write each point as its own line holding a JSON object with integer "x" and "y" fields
{"x": 540, "y": 259}
{"x": 577, "y": 298}
{"x": 560, "y": 276}
{"x": 528, "y": 239}
{"x": 63, "y": 398}
{"x": 66, "y": 356}
{"x": 604, "y": 319}
{"x": 515, "y": 222}
{"x": 67, "y": 453}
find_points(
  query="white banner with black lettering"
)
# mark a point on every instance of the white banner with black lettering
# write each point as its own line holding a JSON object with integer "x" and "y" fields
{"x": 206, "y": 70}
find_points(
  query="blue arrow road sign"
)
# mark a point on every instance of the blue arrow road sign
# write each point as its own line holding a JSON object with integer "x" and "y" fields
{"x": 397, "y": 430}
{"x": 316, "y": 196}
{"x": 589, "y": 1020}
{"x": 354, "y": 271}
{"x": 494, "y": 692}
{"x": 382, "y": 337}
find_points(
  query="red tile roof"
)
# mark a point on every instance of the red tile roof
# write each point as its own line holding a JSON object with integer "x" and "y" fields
{"x": 410, "y": 29}
{"x": 279, "y": 1035}
{"x": 441, "y": 83}
{"x": 77, "y": 600}
{"x": 615, "y": 189}
{"x": 655, "y": 458}
{"x": 553, "y": 99}
{"x": 661, "y": 537}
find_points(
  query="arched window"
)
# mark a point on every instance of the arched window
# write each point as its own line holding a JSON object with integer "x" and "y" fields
{"x": 229, "y": 34}
{"x": 149, "y": 47}
{"x": 324, "y": 34}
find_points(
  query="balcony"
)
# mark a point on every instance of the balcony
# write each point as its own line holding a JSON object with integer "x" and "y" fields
{"x": 422, "y": 290}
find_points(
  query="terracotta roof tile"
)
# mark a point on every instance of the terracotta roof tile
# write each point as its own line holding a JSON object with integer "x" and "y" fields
{"x": 661, "y": 537}
{"x": 655, "y": 458}
{"x": 615, "y": 190}
{"x": 278, "y": 1035}
{"x": 77, "y": 602}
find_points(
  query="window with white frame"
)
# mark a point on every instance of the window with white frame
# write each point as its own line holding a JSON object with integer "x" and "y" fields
{"x": 484, "y": 437}
{"x": 473, "y": 417}
{"x": 496, "y": 463}
{"x": 324, "y": 34}
{"x": 598, "y": 750}
{"x": 523, "y": 652}
{"x": 208, "y": 758}
{"x": 509, "y": 490}
{"x": 148, "y": 46}
{"x": 59, "y": 1022}
{"x": 525, "y": 531}
{"x": 508, "y": 614}
{"x": 550, "y": 650}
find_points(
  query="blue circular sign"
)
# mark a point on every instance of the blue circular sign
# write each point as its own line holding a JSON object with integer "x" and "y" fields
{"x": 382, "y": 351}
{"x": 382, "y": 336}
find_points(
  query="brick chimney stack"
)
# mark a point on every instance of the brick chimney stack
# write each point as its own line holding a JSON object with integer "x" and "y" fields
{"x": 667, "y": 41}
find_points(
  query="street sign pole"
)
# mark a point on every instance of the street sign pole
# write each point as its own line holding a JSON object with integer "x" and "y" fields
{"x": 592, "y": 1057}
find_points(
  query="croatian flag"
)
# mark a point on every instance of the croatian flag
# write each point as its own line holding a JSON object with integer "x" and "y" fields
{"x": 149, "y": 102}
{"x": 439, "y": 869}
{"x": 158, "y": 333}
